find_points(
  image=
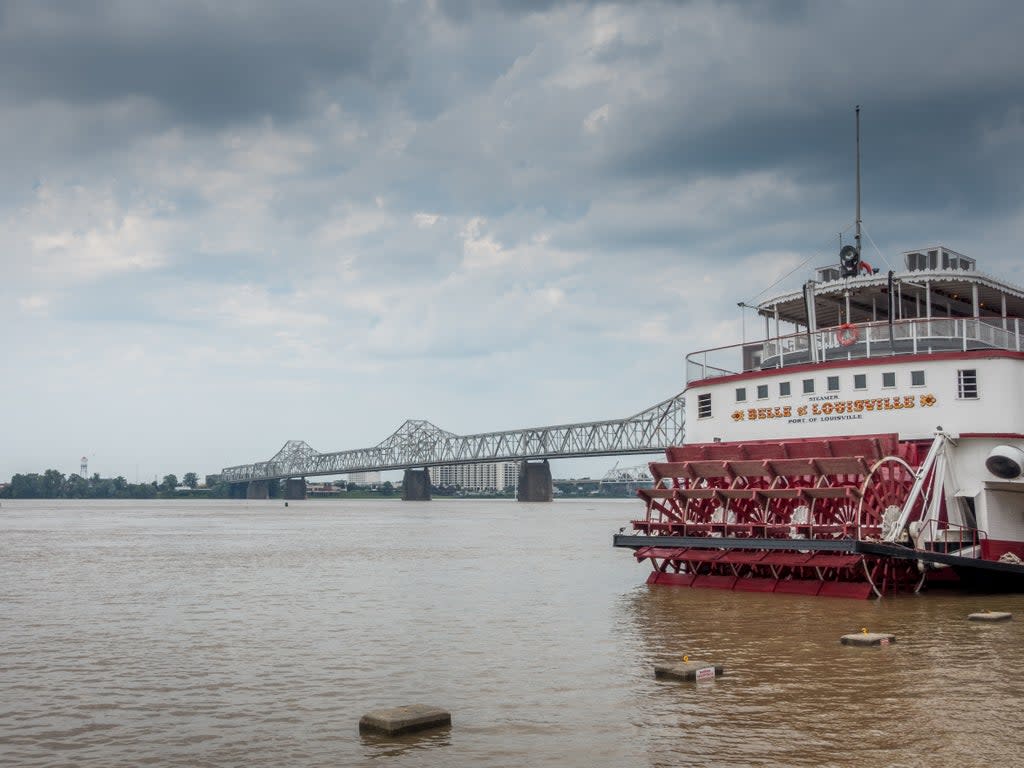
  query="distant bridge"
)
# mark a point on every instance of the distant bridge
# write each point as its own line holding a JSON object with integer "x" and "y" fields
{"x": 640, "y": 475}
{"x": 420, "y": 445}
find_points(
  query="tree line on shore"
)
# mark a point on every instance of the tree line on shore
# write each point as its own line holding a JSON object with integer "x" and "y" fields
{"x": 53, "y": 484}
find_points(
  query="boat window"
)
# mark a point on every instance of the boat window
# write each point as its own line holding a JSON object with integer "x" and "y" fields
{"x": 784, "y": 389}
{"x": 968, "y": 511}
{"x": 833, "y": 383}
{"x": 889, "y": 379}
{"x": 762, "y": 391}
{"x": 860, "y": 381}
{"x": 741, "y": 394}
{"x": 808, "y": 386}
{"x": 917, "y": 378}
{"x": 967, "y": 384}
{"x": 704, "y": 406}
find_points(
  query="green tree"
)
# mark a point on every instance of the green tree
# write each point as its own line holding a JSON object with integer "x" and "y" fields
{"x": 53, "y": 483}
{"x": 100, "y": 488}
{"x": 218, "y": 490}
{"x": 169, "y": 484}
{"x": 142, "y": 490}
{"x": 191, "y": 479}
{"x": 28, "y": 486}
{"x": 75, "y": 487}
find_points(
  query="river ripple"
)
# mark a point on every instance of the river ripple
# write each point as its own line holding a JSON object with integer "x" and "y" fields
{"x": 250, "y": 634}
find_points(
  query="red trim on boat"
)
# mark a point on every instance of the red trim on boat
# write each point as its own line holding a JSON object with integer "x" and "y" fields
{"x": 855, "y": 589}
{"x": 971, "y": 354}
{"x": 671, "y": 579}
{"x": 798, "y": 586}
{"x": 714, "y": 581}
{"x": 751, "y": 584}
{"x": 993, "y": 549}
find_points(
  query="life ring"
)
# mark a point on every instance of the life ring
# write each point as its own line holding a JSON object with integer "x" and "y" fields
{"x": 847, "y": 334}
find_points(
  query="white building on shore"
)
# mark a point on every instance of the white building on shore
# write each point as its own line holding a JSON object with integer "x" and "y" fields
{"x": 491, "y": 476}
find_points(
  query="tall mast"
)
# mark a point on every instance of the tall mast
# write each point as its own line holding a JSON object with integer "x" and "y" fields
{"x": 858, "y": 179}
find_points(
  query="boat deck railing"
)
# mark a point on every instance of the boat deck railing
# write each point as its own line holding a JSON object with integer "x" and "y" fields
{"x": 856, "y": 342}
{"x": 947, "y": 537}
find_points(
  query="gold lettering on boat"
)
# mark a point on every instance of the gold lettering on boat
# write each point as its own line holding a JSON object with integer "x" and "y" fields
{"x": 874, "y": 404}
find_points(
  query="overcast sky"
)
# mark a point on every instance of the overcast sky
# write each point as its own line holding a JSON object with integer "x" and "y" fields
{"x": 226, "y": 225}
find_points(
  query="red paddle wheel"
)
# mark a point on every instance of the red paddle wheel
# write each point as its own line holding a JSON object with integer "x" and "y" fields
{"x": 755, "y": 516}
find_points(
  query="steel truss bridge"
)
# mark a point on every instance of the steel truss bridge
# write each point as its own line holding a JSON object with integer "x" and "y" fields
{"x": 639, "y": 475}
{"x": 419, "y": 444}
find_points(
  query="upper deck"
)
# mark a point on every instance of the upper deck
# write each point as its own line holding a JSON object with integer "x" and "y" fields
{"x": 938, "y": 303}
{"x": 873, "y": 340}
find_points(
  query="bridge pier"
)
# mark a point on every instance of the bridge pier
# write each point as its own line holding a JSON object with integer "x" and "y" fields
{"x": 535, "y": 481}
{"x": 416, "y": 485}
{"x": 258, "y": 489}
{"x": 295, "y": 488}
{"x": 238, "y": 490}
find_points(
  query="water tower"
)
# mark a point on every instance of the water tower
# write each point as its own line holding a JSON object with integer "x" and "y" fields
{"x": 85, "y": 467}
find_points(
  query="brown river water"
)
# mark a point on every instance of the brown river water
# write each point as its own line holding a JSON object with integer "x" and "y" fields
{"x": 238, "y": 633}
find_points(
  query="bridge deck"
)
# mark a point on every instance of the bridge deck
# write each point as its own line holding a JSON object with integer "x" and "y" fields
{"x": 421, "y": 444}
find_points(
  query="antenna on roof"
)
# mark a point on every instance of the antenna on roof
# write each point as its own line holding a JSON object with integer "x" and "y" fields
{"x": 857, "y": 236}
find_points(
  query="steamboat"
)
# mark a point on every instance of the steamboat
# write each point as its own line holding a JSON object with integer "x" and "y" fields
{"x": 875, "y": 446}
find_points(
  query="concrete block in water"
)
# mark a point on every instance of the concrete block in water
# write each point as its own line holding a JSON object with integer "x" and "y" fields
{"x": 416, "y": 485}
{"x": 689, "y": 670}
{"x": 535, "y": 481}
{"x": 257, "y": 489}
{"x": 868, "y": 638}
{"x": 990, "y": 616}
{"x": 412, "y": 717}
{"x": 295, "y": 488}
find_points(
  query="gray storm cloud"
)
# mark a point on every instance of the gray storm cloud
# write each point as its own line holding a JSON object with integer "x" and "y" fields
{"x": 225, "y": 207}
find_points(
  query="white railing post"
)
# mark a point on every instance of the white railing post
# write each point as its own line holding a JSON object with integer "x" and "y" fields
{"x": 822, "y": 342}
